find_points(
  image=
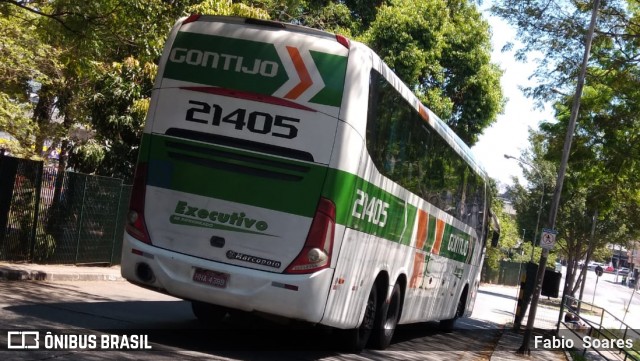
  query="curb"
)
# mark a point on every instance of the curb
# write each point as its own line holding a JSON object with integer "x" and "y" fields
{"x": 17, "y": 274}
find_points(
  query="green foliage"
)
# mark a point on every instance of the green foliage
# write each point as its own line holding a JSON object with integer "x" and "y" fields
{"x": 45, "y": 245}
{"x": 14, "y": 121}
{"x": 441, "y": 49}
{"x": 117, "y": 107}
{"x": 602, "y": 174}
{"x": 335, "y": 17}
{"x": 583, "y": 193}
{"x": 25, "y": 60}
{"x": 508, "y": 246}
{"x": 556, "y": 29}
{"x": 71, "y": 50}
{"x": 227, "y": 8}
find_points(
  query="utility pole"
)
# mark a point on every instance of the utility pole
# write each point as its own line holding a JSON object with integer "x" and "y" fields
{"x": 553, "y": 212}
{"x": 584, "y": 266}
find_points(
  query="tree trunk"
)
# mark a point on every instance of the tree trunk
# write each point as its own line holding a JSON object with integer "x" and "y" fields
{"x": 42, "y": 114}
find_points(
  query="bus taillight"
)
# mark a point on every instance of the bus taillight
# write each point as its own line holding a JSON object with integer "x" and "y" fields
{"x": 316, "y": 253}
{"x": 136, "y": 226}
{"x": 192, "y": 18}
{"x": 343, "y": 40}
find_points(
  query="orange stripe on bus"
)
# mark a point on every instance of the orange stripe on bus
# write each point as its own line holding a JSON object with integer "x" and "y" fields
{"x": 423, "y": 112}
{"x": 301, "y": 69}
{"x": 418, "y": 258}
{"x": 439, "y": 232}
{"x": 423, "y": 222}
{"x": 417, "y": 274}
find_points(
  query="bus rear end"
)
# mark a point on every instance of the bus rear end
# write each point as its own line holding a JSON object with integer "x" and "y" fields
{"x": 226, "y": 206}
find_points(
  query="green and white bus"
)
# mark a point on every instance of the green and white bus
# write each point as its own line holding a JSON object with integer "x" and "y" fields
{"x": 288, "y": 171}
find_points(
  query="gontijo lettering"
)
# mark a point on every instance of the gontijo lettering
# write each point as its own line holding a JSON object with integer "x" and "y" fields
{"x": 458, "y": 245}
{"x": 229, "y": 62}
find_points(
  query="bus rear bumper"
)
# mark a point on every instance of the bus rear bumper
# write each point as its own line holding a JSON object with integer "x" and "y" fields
{"x": 300, "y": 297}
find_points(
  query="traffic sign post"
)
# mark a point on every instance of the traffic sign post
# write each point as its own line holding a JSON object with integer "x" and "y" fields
{"x": 548, "y": 239}
{"x": 599, "y": 271}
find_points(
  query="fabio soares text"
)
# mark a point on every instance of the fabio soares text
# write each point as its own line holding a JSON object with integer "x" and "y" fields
{"x": 585, "y": 342}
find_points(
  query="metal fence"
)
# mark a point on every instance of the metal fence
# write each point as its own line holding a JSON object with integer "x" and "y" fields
{"x": 507, "y": 274}
{"x": 68, "y": 218}
{"x": 581, "y": 319}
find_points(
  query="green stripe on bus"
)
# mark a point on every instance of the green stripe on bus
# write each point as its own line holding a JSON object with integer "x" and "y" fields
{"x": 341, "y": 187}
{"x": 234, "y": 175}
{"x": 431, "y": 234}
{"x": 455, "y": 244}
{"x": 226, "y": 62}
{"x": 247, "y": 65}
{"x": 333, "y": 69}
{"x": 187, "y": 171}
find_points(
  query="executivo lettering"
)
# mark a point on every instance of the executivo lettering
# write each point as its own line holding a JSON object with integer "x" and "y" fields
{"x": 223, "y": 61}
{"x": 185, "y": 214}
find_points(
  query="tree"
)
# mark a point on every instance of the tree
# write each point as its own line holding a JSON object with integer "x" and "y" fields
{"x": 602, "y": 175}
{"x": 439, "y": 48}
{"x": 28, "y": 64}
{"x": 117, "y": 102}
{"x": 582, "y": 196}
{"x": 553, "y": 31}
{"x": 117, "y": 105}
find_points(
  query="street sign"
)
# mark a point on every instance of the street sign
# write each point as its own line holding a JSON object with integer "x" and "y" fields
{"x": 548, "y": 239}
{"x": 599, "y": 271}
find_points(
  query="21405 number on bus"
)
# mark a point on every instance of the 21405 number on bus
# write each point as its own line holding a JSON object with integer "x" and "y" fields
{"x": 256, "y": 122}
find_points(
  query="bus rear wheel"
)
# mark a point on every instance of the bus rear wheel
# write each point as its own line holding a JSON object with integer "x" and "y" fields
{"x": 208, "y": 313}
{"x": 387, "y": 320}
{"x": 447, "y": 325}
{"x": 356, "y": 339}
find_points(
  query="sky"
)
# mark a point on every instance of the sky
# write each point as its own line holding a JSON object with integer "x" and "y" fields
{"x": 509, "y": 134}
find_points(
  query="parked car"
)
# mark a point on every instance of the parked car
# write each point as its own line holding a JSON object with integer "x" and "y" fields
{"x": 623, "y": 271}
{"x": 592, "y": 265}
{"x": 609, "y": 268}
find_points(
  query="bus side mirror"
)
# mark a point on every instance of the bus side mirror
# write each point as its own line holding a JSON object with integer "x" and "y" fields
{"x": 494, "y": 239}
{"x": 495, "y": 227}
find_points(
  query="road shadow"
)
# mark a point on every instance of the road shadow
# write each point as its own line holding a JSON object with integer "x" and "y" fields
{"x": 171, "y": 326}
{"x": 618, "y": 283}
{"x": 495, "y": 294}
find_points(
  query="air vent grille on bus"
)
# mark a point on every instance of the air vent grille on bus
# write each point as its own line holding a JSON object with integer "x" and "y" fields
{"x": 235, "y": 162}
{"x": 240, "y": 143}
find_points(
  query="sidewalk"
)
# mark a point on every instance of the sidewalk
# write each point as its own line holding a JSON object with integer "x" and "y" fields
{"x": 510, "y": 342}
{"x": 505, "y": 349}
{"x": 37, "y": 272}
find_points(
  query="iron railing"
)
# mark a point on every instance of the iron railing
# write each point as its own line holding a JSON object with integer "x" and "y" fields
{"x": 68, "y": 218}
{"x": 581, "y": 319}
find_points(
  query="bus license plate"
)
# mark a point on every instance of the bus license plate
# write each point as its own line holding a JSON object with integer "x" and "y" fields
{"x": 212, "y": 278}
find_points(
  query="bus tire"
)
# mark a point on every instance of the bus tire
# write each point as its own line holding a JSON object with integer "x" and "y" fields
{"x": 208, "y": 313}
{"x": 387, "y": 320}
{"x": 357, "y": 338}
{"x": 447, "y": 325}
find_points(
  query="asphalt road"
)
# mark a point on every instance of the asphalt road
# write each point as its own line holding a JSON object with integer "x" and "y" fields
{"x": 617, "y": 299}
{"x": 605, "y": 292}
{"x": 117, "y": 307}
